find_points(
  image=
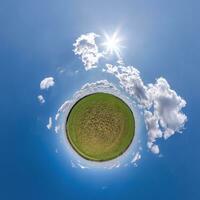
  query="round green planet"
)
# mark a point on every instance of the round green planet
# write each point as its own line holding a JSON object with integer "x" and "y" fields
{"x": 100, "y": 127}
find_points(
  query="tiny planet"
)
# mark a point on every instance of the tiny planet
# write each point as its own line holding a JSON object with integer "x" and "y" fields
{"x": 100, "y": 127}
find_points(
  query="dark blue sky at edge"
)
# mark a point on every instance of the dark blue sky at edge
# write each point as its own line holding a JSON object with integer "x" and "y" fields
{"x": 36, "y": 37}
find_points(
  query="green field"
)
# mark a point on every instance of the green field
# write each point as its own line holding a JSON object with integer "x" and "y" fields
{"x": 100, "y": 127}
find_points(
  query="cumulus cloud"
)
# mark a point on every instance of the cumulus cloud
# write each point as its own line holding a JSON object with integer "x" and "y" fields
{"x": 152, "y": 125}
{"x": 46, "y": 83}
{"x": 49, "y": 125}
{"x": 167, "y": 107}
{"x": 162, "y": 107}
{"x": 85, "y": 47}
{"x": 41, "y": 99}
{"x": 130, "y": 80}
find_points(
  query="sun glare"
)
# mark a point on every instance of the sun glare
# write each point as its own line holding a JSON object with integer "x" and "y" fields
{"x": 112, "y": 44}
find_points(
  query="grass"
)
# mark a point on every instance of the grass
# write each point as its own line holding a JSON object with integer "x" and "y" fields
{"x": 100, "y": 127}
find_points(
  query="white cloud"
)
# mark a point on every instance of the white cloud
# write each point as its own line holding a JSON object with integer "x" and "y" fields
{"x": 167, "y": 107}
{"x": 82, "y": 166}
{"x": 63, "y": 108}
{"x": 136, "y": 157}
{"x": 57, "y": 116}
{"x": 49, "y": 125}
{"x": 155, "y": 149}
{"x": 161, "y": 105}
{"x": 57, "y": 129}
{"x": 85, "y": 46}
{"x": 46, "y": 83}
{"x": 41, "y": 99}
{"x": 130, "y": 80}
{"x": 88, "y": 88}
{"x": 102, "y": 85}
{"x": 152, "y": 126}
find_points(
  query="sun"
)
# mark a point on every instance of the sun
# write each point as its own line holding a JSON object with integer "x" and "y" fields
{"x": 112, "y": 44}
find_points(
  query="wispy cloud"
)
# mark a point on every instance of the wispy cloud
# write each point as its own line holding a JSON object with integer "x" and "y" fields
{"x": 57, "y": 129}
{"x": 136, "y": 157}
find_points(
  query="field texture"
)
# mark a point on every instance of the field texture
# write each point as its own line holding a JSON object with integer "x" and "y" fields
{"x": 100, "y": 127}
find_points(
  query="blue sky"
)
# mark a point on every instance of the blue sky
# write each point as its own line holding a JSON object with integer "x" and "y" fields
{"x": 36, "y": 38}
